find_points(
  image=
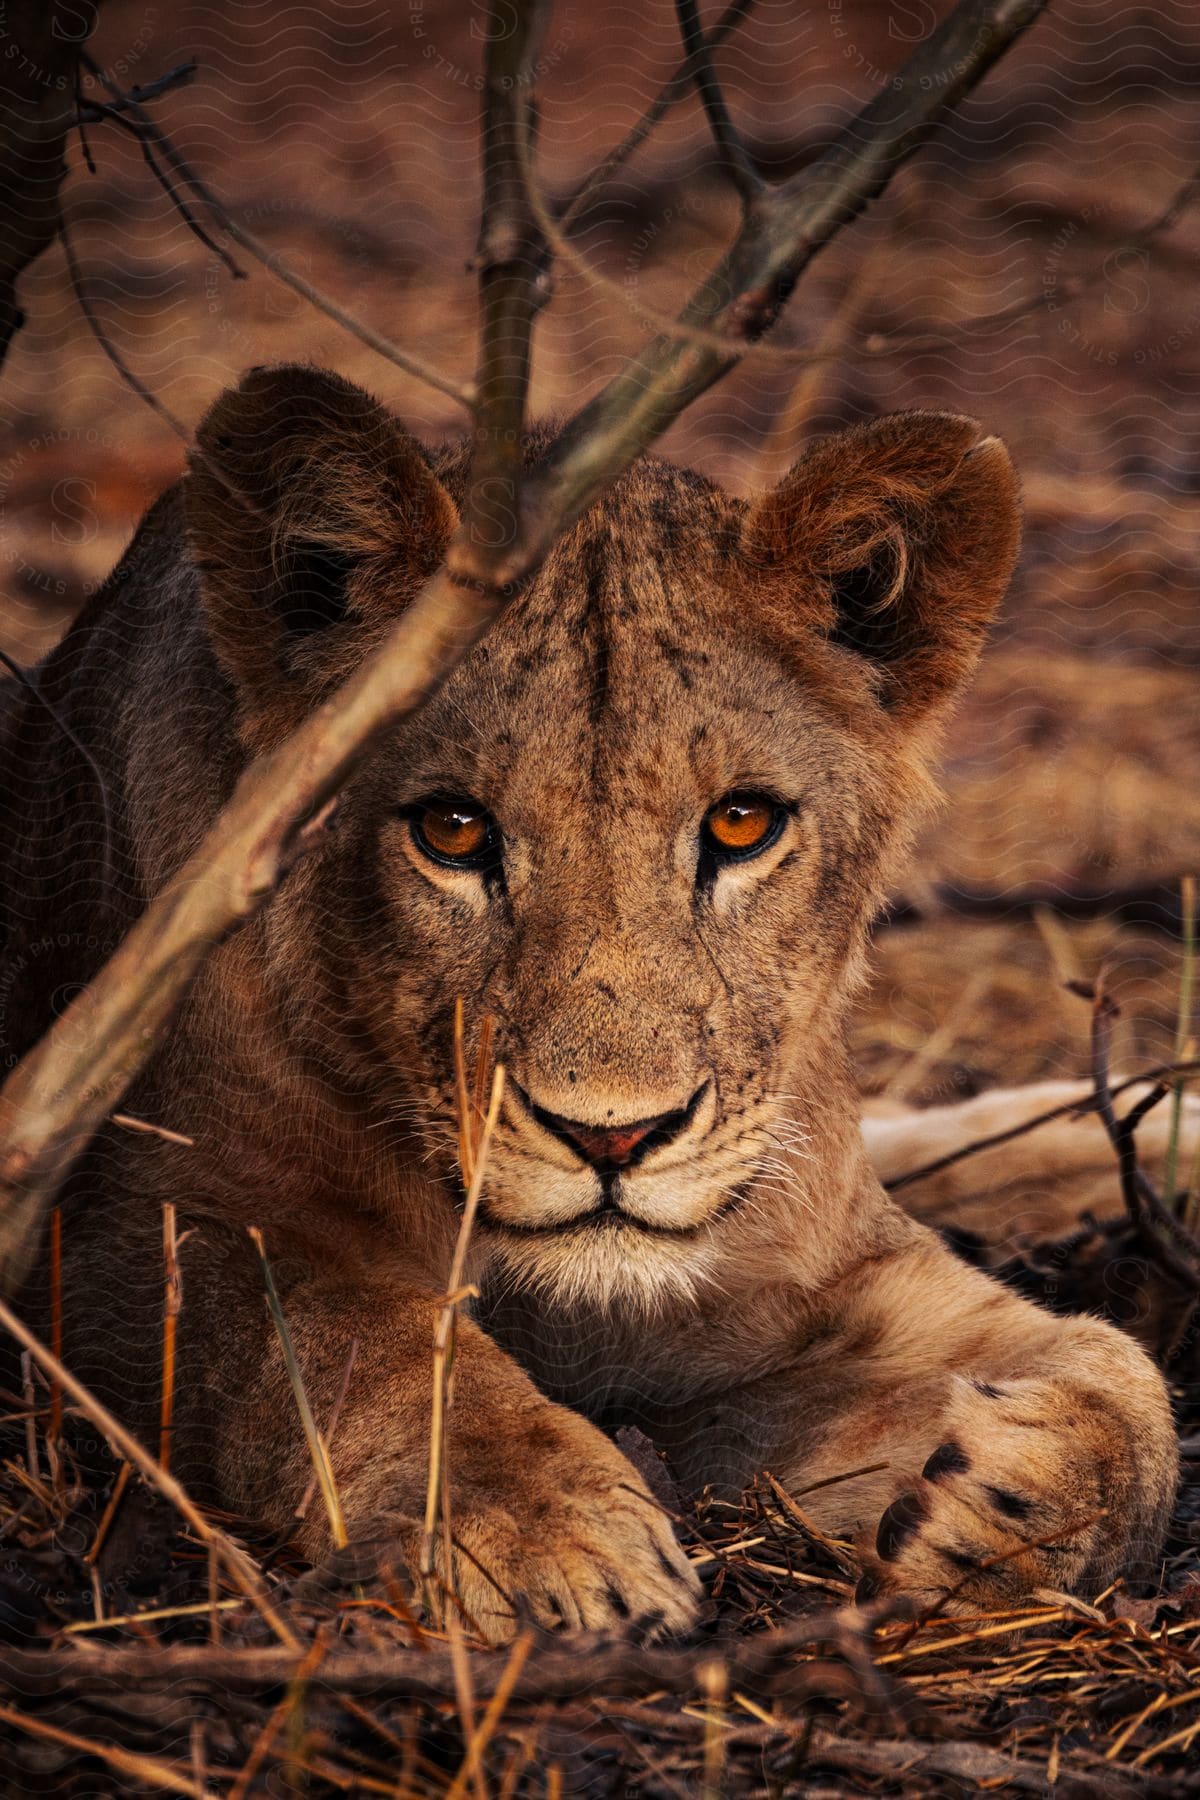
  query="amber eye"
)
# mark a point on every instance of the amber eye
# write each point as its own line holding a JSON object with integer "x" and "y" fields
{"x": 741, "y": 824}
{"x": 454, "y": 831}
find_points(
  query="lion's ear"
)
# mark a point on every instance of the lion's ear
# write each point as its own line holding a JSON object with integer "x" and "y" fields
{"x": 311, "y": 513}
{"x": 896, "y": 540}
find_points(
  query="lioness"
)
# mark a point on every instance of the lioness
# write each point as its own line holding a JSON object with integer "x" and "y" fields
{"x": 645, "y": 827}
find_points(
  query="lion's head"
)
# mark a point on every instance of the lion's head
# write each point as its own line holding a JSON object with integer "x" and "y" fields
{"x": 646, "y": 823}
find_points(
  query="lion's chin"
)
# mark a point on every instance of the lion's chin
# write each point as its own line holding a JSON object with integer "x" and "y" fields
{"x": 603, "y": 1260}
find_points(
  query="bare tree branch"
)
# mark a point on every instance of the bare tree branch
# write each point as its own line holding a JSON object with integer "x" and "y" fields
{"x": 1163, "y": 1234}
{"x": 872, "y": 344}
{"x": 766, "y": 1663}
{"x": 513, "y": 265}
{"x": 784, "y": 229}
{"x": 37, "y": 111}
{"x": 91, "y": 112}
{"x": 129, "y": 113}
{"x": 95, "y": 326}
{"x": 1070, "y": 1109}
{"x": 734, "y": 158}
{"x": 69, "y": 1083}
{"x": 668, "y": 96}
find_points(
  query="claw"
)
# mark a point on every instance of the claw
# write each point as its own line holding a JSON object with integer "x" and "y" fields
{"x": 901, "y": 1520}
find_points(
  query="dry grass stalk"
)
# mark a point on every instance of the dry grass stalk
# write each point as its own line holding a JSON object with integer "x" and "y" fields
{"x": 464, "y": 1694}
{"x": 318, "y": 1450}
{"x": 483, "y": 1060}
{"x": 1186, "y": 1201}
{"x": 214, "y": 1604}
{"x": 109, "y": 1513}
{"x": 235, "y": 1561}
{"x": 149, "y": 1616}
{"x": 128, "y": 1123}
{"x": 466, "y": 1127}
{"x": 278, "y": 1718}
{"x": 56, "y": 1319}
{"x": 136, "y": 1768}
{"x": 715, "y": 1683}
{"x": 172, "y": 1303}
{"x": 331, "y": 1424}
{"x": 483, "y": 1732}
{"x": 443, "y": 1343}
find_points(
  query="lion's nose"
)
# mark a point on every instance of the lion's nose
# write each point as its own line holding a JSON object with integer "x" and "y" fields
{"x": 619, "y": 1146}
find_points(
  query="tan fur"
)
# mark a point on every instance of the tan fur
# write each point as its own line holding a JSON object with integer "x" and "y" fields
{"x": 751, "y": 1297}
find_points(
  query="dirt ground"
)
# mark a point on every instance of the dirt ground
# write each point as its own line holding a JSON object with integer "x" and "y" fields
{"x": 1012, "y": 272}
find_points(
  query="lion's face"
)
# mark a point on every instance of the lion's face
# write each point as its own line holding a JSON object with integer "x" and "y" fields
{"x": 643, "y": 830}
{"x": 634, "y": 837}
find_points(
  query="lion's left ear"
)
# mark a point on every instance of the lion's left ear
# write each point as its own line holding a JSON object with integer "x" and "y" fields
{"x": 896, "y": 540}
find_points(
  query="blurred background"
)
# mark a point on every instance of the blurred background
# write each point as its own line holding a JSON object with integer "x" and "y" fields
{"x": 1014, "y": 271}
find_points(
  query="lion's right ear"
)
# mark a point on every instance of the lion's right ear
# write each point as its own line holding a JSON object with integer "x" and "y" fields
{"x": 893, "y": 541}
{"x": 313, "y": 517}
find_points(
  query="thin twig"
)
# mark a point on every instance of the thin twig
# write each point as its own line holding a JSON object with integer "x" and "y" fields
{"x": 668, "y": 96}
{"x": 318, "y": 1450}
{"x": 1156, "y": 1226}
{"x": 123, "y": 1442}
{"x": 166, "y": 181}
{"x": 146, "y": 1769}
{"x": 110, "y": 350}
{"x": 1068, "y": 1109}
{"x": 443, "y": 1342}
{"x": 172, "y": 1306}
{"x": 1183, "y": 1029}
{"x": 412, "y": 365}
{"x": 91, "y": 112}
{"x": 734, "y": 157}
{"x": 784, "y": 229}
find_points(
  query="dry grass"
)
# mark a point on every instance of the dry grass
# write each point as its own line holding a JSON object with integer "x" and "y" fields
{"x": 790, "y": 1683}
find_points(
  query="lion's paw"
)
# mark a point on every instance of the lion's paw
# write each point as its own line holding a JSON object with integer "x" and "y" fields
{"x": 573, "y": 1538}
{"x": 1011, "y": 1504}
